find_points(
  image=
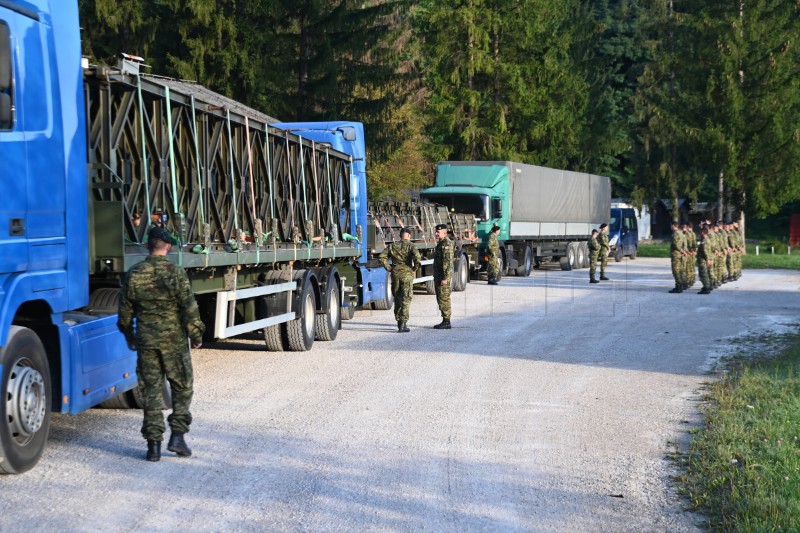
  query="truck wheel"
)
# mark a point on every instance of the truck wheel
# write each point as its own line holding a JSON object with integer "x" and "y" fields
{"x": 430, "y": 287}
{"x": 564, "y": 263}
{"x": 300, "y": 331}
{"x": 385, "y": 303}
{"x": 26, "y": 410}
{"x": 580, "y": 255}
{"x": 583, "y": 250}
{"x": 273, "y": 338}
{"x": 136, "y": 401}
{"x": 348, "y": 310}
{"x": 633, "y": 253}
{"x": 503, "y": 263}
{"x": 329, "y": 323}
{"x": 524, "y": 269}
{"x": 461, "y": 274}
{"x": 572, "y": 255}
{"x": 618, "y": 254}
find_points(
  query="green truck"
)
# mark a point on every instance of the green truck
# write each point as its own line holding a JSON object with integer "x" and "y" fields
{"x": 545, "y": 215}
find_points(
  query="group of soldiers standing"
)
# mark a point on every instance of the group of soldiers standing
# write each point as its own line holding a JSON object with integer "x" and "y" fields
{"x": 717, "y": 254}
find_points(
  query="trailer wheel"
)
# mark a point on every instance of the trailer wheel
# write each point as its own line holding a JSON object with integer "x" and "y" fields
{"x": 348, "y": 310}
{"x": 580, "y": 255}
{"x": 583, "y": 249}
{"x": 273, "y": 338}
{"x": 564, "y": 263}
{"x": 385, "y": 303}
{"x": 461, "y": 274}
{"x": 300, "y": 331}
{"x": 524, "y": 270}
{"x": 329, "y": 322}
{"x": 26, "y": 410}
{"x": 572, "y": 254}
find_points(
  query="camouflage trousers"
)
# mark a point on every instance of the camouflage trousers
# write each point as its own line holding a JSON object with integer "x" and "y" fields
{"x": 593, "y": 255}
{"x": 493, "y": 268}
{"x": 443, "y": 297}
{"x": 402, "y": 289}
{"x": 151, "y": 367}
{"x": 676, "y": 261}
{"x": 603, "y": 261}
{"x": 704, "y": 274}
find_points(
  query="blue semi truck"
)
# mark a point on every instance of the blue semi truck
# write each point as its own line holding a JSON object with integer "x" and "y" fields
{"x": 272, "y": 223}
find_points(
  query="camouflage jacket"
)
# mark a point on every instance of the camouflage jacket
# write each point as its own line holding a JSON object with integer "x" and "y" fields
{"x": 405, "y": 257}
{"x": 493, "y": 246}
{"x": 678, "y": 242}
{"x": 594, "y": 246}
{"x": 443, "y": 259}
{"x": 602, "y": 240}
{"x": 157, "y": 294}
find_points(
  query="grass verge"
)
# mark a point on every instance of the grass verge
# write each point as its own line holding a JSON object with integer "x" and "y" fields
{"x": 742, "y": 469}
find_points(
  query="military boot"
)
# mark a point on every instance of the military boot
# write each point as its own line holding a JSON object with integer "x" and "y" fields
{"x": 592, "y": 279}
{"x": 153, "y": 450}
{"x": 492, "y": 281}
{"x": 178, "y": 445}
{"x": 603, "y": 277}
{"x": 676, "y": 290}
{"x": 444, "y": 325}
{"x": 402, "y": 327}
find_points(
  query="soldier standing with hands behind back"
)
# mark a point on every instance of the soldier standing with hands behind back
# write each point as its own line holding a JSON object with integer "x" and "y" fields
{"x": 493, "y": 253}
{"x": 442, "y": 274}
{"x": 406, "y": 260}
{"x": 602, "y": 240}
{"x": 156, "y": 292}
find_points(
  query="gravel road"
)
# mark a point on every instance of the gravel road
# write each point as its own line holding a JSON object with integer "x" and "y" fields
{"x": 553, "y": 407}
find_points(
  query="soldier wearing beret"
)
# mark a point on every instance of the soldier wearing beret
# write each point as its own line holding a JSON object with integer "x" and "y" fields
{"x": 156, "y": 293}
{"x": 406, "y": 260}
{"x": 443, "y": 274}
{"x": 594, "y": 251}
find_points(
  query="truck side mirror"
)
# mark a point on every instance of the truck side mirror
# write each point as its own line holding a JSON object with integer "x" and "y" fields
{"x": 497, "y": 208}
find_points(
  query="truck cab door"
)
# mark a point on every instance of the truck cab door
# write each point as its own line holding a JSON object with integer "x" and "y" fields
{"x": 13, "y": 153}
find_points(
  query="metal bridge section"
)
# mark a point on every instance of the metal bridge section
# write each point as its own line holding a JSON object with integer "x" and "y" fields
{"x": 233, "y": 190}
{"x": 387, "y": 218}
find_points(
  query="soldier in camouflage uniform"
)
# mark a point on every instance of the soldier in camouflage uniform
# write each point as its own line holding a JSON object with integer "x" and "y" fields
{"x": 691, "y": 252}
{"x": 493, "y": 252}
{"x": 704, "y": 262}
{"x": 156, "y": 293}
{"x": 406, "y": 260}
{"x": 677, "y": 253}
{"x": 602, "y": 240}
{"x": 443, "y": 274}
{"x": 594, "y": 251}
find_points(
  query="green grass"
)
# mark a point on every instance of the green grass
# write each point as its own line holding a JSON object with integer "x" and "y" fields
{"x": 743, "y": 468}
{"x": 765, "y": 259}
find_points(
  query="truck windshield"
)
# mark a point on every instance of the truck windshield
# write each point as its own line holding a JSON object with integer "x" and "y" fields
{"x": 471, "y": 204}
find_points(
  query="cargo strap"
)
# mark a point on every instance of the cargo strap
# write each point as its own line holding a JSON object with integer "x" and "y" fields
{"x": 173, "y": 177}
{"x": 233, "y": 182}
{"x": 197, "y": 165}
{"x": 146, "y": 165}
{"x": 303, "y": 177}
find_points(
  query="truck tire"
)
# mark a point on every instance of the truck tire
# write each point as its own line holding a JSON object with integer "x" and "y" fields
{"x": 461, "y": 274}
{"x": 25, "y": 411}
{"x": 385, "y": 303}
{"x": 503, "y": 264}
{"x": 633, "y": 253}
{"x": 524, "y": 270}
{"x": 580, "y": 255}
{"x": 329, "y": 322}
{"x": 572, "y": 254}
{"x": 564, "y": 263}
{"x": 300, "y": 332}
{"x": 104, "y": 301}
{"x": 348, "y": 310}
{"x": 618, "y": 254}
{"x": 273, "y": 338}
{"x": 584, "y": 250}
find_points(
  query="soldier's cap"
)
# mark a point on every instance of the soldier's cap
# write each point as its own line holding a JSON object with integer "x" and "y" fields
{"x": 603, "y": 226}
{"x": 161, "y": 234}
{"x": 594, "y": 231}
{"x": 441, "y": 226}
{"x": 405, "y": 231}
{"x": 495, "y": 228}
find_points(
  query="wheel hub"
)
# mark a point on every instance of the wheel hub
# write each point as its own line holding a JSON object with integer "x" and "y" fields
{"x": 26, "y": 402}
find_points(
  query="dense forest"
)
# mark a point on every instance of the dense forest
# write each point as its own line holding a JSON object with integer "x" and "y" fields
{"x": 696, "y": 99}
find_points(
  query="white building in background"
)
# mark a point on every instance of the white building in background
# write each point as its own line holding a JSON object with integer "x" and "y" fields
{"x": 642, "y": 217}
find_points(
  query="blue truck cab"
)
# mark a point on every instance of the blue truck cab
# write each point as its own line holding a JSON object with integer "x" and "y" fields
{"x": 55, "y": 353}
{"x": 623, "y": 233}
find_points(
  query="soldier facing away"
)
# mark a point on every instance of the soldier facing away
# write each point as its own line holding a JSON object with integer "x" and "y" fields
{"x": 443, "y": 274}
{"x": 493, "y": 255}
{"x": 156, "y": 293}
{"x": 602, "y": 240}
{"x": 594, "y": 251}
{"x": 406, "y": 260}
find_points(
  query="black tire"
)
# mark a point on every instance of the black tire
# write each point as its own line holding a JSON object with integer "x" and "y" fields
{"x": 461, "y": 273}
{"x": 572, "y": 255}
{"x": 273, "y": 338}
{"x": 25, "y": 410}
{"x": 564, "y": 263}
{"x": 120, "y": 401}
{"x": 503, "y": 264}
{"x": 583, "y": 248}
{"x": 104, "y": 301}
{"x": 330, "y": 322}
{"x": 634, "y": 252}
{"x": 524, "y": 269}
{"x": 385, "y": 303}
{"x": 618, "y": 254}
{"x": 300, "y": 332}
